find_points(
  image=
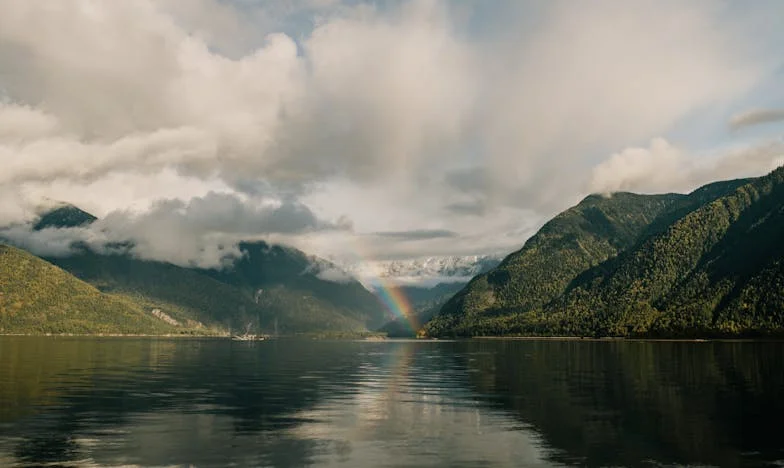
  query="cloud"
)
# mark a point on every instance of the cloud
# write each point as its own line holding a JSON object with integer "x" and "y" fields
{"x": 47, "y": 242}
{"x": 663, "y": 167}
{"x": 753, "y": 117}
{"x": 201, "y": 232}
{"x": 660, "y": 166}
{"x": 595, "y": 75}
{"x": 471, "y": 208}
{"x": 129, "y": 89}
{"x": 417, "y": 109}
{"x": 205, "y": 229}
{"x": 335, "y": 275}
{"x": 417, "y": 234}
{"x": 21, "y": 123}
{"x": 328, "y": 272}
{"x": 142, "y": 86}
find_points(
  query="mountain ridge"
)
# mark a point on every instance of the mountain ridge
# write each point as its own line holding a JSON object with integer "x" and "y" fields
{"x": 589, "y": 272}
{"x": 295, "y": 298}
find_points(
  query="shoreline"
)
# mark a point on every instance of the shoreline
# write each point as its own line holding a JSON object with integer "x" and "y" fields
{"x": 640, "y": 339}
{"x": 109, "y": 335}
{"x": 374, "y": 338}
{"x": 305, "y": 336}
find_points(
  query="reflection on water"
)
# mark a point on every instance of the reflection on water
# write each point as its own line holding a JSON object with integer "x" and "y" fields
{"x": 473, "y": 403}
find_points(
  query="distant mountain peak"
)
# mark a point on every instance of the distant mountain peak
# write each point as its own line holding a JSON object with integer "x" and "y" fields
{"x": 424, "y": 271}
{"x": 60, "y": 215}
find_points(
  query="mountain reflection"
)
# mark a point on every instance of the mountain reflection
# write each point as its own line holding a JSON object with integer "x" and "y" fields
{"x": 625, "y": 403}
{"x": 111, "y": 402}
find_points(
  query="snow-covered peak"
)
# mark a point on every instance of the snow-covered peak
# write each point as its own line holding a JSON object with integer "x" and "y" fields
{"x": 425, "y": 271}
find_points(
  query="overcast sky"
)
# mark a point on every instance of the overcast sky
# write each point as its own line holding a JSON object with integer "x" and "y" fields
{"x": 375, "y": 130}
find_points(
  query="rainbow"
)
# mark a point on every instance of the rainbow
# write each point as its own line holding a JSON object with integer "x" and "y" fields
{"x": 389, "y": 293}
{"x": 396, "y": 302}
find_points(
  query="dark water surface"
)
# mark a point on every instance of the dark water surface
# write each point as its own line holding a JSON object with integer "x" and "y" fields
{"x": 120, "y": 401}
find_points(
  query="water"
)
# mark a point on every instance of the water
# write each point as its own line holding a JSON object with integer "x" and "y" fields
{"x": 117, "y": 401}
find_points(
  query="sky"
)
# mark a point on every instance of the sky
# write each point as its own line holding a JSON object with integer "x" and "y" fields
{"x": 363, "y": 131}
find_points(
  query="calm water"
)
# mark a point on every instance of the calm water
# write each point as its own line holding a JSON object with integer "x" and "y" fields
{"x": 104, "y": 402}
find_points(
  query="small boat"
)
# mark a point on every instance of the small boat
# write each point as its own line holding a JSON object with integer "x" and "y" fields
{"x": 248, "y": 336}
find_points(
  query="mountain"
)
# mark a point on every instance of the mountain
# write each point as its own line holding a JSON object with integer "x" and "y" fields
{"x": 263, "y": 268}
{"x": 705, "y": 263}
{"x": 272, "y": 287}
{"x": 584, "y": 236}
{"x": 719, "y": 270}
{"x": 418, "y": 277}
{"x": 38, "y": 297}
{"x": 182, "y": 293}
{"x": 423, "y": 297}
{"x": 425, "y": 272}
{"x": 266, "y": 290}
{"x": 63, "y": 216}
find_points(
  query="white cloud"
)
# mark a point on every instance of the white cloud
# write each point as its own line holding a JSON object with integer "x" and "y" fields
{"x": 23, "y": 123}
{"x": 598, "y": 76}
{"x": 662, "y": 167}
{"x": 200, "y": 232}
{"x": 205, "y": 229}
{"x": 402, "y": 117}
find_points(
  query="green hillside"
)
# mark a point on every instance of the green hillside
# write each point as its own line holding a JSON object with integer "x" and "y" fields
{"x": 182, "y": 293}
{"x": 706, "y": 263}
{"x": 272, "y": 287}
{"x": 718, "y": 270}
{"x": 582, "y": 237}
{"x": 263, "y": 269}
{"x": 212, "y": 299}
{"x": 38, "y": 297}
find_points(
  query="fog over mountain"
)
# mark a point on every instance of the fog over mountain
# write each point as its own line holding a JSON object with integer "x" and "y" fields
{"x": 371, "y": 132}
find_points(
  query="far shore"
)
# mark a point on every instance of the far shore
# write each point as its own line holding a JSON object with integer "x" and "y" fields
{"x": 112, "y": 335}
{"x": 317, "y": 336}
{"x": 374, "y": 338}
{"x": 612, "y": 338}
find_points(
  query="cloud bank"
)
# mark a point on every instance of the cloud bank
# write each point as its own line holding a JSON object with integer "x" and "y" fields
{"x": 201, "y": 232}
{"x": 756, "y": 117}
{"x": 663, "y": 167}
{"x": 419, "y": 121}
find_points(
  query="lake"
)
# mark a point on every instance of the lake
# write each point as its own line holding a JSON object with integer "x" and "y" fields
{"x": 474, "y": 403}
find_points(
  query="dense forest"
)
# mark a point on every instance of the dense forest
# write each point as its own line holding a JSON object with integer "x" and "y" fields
{"x": 709, "y": 263}
{"x": 38, "y": 297}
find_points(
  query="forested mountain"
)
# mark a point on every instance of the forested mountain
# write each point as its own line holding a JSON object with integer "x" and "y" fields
{"x": 263, "y": 270}
{"x": 258, "y": 289}
{"x": 38, "y": 297}
{"x": 710, "y": 263}
{"x": 63, "y": 216}
{"x": 272, "y": 287}
{"x": 707, "y": 263}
